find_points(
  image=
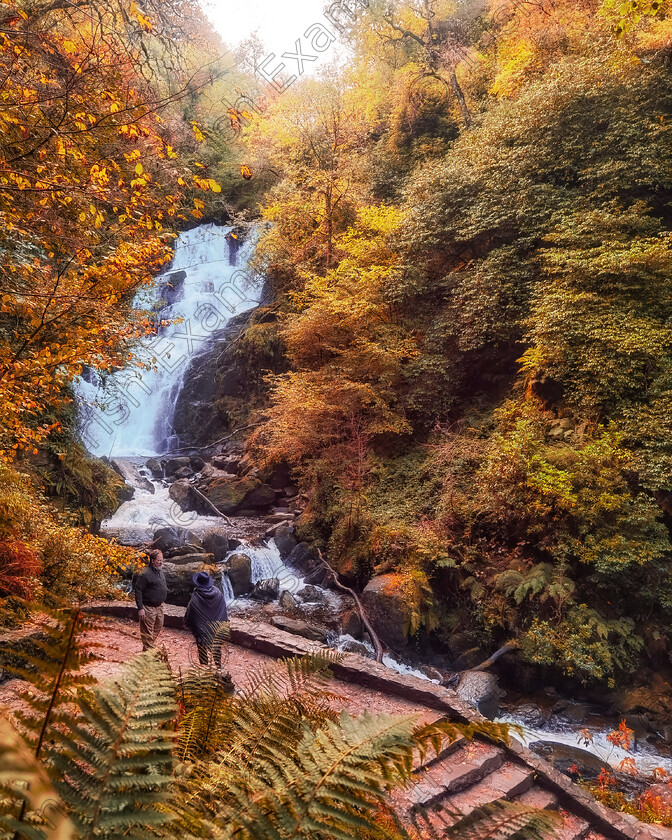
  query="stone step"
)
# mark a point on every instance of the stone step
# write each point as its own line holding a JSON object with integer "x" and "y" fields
{"x": 431, "y": 758}
{"x": 507, "y": 781}
{"x": 537, "y": 797}
{"x": 574, "y": 828}
{"x": 462, "y": 769}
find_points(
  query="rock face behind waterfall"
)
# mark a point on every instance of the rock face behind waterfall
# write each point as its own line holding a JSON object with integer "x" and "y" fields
{"x": 213, "y": 375}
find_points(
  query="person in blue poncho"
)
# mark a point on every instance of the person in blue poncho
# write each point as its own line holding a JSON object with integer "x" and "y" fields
{"x": 206, "y": 608}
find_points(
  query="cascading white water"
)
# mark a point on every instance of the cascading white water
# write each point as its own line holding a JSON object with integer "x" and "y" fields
{"x": 267, "y": 563}
{"x": 208, "y": 283}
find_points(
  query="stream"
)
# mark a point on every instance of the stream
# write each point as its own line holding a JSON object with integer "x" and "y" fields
{"x": 129, "y": 417}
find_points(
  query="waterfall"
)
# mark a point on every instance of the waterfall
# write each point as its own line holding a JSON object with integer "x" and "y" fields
{"x": 131, "y": 411}
{"x": 267, "y": 563}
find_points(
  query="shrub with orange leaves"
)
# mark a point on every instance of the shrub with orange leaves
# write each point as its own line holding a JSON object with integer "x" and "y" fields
{"x": 622, "y": 737}
{"x": 19, "y": 569}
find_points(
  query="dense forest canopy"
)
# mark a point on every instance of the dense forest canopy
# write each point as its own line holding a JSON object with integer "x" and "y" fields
{"x": 470, "y": 241}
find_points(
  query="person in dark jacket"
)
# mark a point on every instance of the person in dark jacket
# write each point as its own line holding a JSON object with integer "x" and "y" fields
{"x": 151, "y": 591}
{"x": 206, "y": 608}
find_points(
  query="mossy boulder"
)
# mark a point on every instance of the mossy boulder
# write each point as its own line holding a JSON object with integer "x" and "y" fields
{"x": 387, "y": 609}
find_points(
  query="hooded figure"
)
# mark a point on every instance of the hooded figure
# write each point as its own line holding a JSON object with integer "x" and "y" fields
{"x": 206, "y": 608}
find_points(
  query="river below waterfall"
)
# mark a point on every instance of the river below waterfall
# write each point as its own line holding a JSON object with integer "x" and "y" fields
{"x": 130, "y": 414}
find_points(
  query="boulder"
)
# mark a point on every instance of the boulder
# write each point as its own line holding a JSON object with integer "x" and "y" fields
{"x": 299, "y": 628}
{"x": 481, "y": 690}
{"x": 351, "y": 624}
{"x": 570, "y": 712}
{"x": 285, "y": 541}
{"x": 386, "y": 608}
{"x": 216, "y": 544}
{"x": 565, "y": 756}
{"x": 129, "y": 472}
{"x": 311, "y": 595}
{"x": 260, "y": 497}
{"x": 287, "y": 600}
{"x": 175, "y": 464}
{"x": 266, "y": 590}
{"x": 179, "y": 579}
{"x": 184, "y": 472}
{"x": 155, "y": 466}
{"x": 227, "y": 493}
{"x": 186, "y": 559}
{"x": 166, "y": 539}
{"x": 209, "y": 472}
{"x": 180, "y": 492}
{"x": 226, "y": 463}
{"x": 530, "y": 715}
{"x": 302, "y": 557}
{"x": 239, "y": 567}
{"x": 318, "y": 577}
{"x": 352, "y": 646}
{"x": 196, "y": 462}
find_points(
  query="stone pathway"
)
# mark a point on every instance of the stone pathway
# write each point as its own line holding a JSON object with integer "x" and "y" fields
{"x": 464, "y": 776}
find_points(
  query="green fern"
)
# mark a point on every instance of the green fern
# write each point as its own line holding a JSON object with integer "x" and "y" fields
{"x": 337, "y": 775}
{"x": 116, "y": 759}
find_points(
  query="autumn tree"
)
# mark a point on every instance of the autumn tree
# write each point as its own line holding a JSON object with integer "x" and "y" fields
{"x": 89, "y": 194}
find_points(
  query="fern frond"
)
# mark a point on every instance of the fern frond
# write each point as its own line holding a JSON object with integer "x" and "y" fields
{"x": 339, "y": 773}
{"x": 208, "y": 713}
{"x": 51, "y": 660}
{"x": 115, "y": 761}
{"x": 28, "y": 802}
{"x": 504, "y": 820}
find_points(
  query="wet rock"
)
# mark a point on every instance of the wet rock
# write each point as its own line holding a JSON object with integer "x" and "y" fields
{"x": 240, "y": 574}
{"x": 226, "y": 463}
{"x": 216, "y": 544}
{"x": 385, "y": 605}
{"x": 530, "y": 715}
{"x": 285, "y": 541}
{"x": 155, "y": 466}
{"x": 261, "y": 496}
{"x": 564, "y": 756}
{"x": 571, "y": 712}
{"x": 318, "y": 577}
{"x": 287, "y": 600}
{"x": 183, "y": 551}
{"x": 171, "y": 286}
{"x": 266, "y": 590}
{"x": 196, "y": 462}
{"x": 481, "y": 690}
{"x": 175, "y": 464}
{"x": 129, "y": 472}
{"x": 187, "y": 559}
{"x": 302, "y": 557}
{"x": 227, "y": 494}
{"x": 311, "y": 595}
{"x": 351, "y": 624}
{"x": 352, "y": 646}
{"x": 299, "y": 628}
{"x": 166, "y": 539}
{"x": 180, "y": 492}
{"x": 184, "y": 472}
{"x": 179, "y": 579}
{"x": 432, "y": 673}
